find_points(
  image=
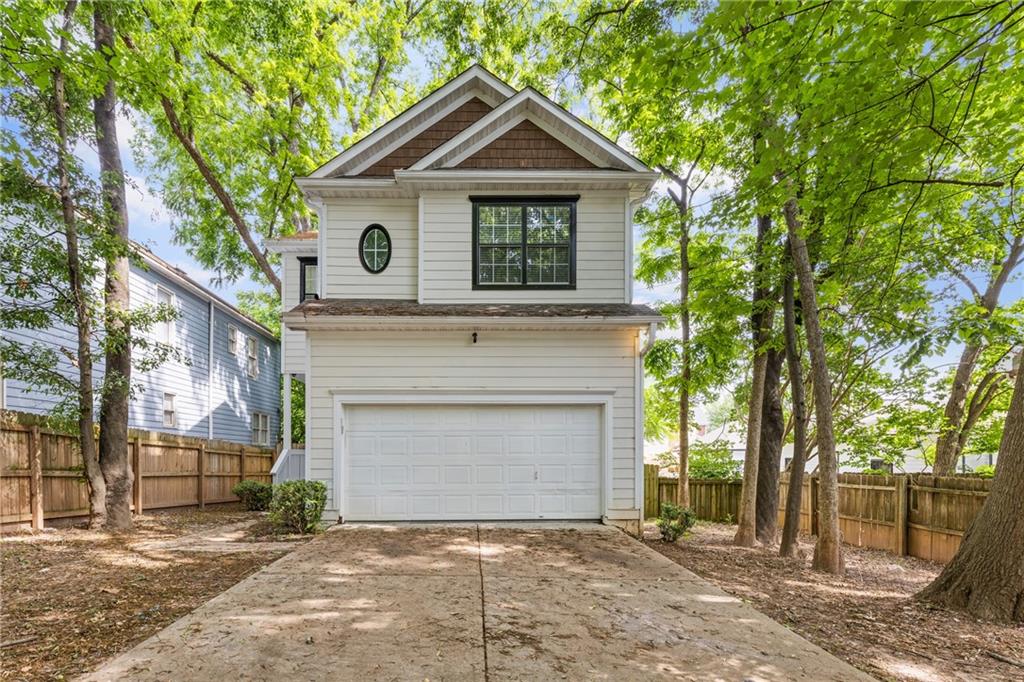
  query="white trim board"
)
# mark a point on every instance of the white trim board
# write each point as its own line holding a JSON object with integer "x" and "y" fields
{"x": 341, "y": 398}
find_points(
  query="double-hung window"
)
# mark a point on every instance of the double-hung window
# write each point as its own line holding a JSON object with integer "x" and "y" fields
{"x": 308, "y": 285}
{"x": 260, "y": 428}
{"x": 170, "y": 415}
{"x": 233, "y": 339}
{"x": 524, "y": 243}
{"x": 252, "y": 363}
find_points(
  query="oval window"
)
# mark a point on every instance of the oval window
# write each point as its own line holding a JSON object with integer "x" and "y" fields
{"x": 375, "y": 248}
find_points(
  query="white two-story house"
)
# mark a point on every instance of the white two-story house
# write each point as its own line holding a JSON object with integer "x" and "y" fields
{"x": 463, "y": 318}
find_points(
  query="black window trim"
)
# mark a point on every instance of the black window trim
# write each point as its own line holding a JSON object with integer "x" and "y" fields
{"x": 303, "y": 262}
{"x": 524, "y": 201}
{"x": 362, "y": 240}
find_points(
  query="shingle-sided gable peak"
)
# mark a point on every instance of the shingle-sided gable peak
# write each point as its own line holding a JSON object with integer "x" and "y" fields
{"x": 476, "y": 121}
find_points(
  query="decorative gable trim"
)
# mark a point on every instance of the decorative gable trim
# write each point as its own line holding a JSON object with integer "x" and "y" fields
{"x": 553, "y": 119}
{"x": 407, "y": 125}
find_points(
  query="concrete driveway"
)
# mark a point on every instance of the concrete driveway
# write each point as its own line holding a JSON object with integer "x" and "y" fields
{"x": 487, "y": 602}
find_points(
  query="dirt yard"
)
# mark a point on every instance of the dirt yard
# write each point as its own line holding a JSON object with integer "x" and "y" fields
{"x": 72, "y": 598}
{"x": 867, "y": 618}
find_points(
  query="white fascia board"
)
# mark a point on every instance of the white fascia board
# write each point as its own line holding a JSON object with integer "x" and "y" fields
{"x": 312, "y": 186}
{"x": 365, "y": 322}
{"x": 538, "y": 177}
{"x": 474, "y": 72}
{"x": 524, "y": 98}
{"x": 303, "y": 246}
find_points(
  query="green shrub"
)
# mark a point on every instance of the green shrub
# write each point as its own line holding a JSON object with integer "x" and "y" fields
{"x": 298, "y": 505}
{"x": 713, "y": 460}
{"x": 253, "y": 494}
{"x": 985, "y": 470}
{"x": 674, "y": 521}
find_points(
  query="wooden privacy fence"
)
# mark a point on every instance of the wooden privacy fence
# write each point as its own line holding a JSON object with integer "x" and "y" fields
{"x": 41, "y": 471}
{"x": 713, "y": 500}
{"x": 912, "y": 514}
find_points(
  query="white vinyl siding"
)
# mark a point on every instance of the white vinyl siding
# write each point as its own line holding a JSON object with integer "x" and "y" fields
{"x": 293, "y": 343}
{"x": 448, "y": 252}
{"x": 500, "y": 361}
{"x": 345, "y": 275}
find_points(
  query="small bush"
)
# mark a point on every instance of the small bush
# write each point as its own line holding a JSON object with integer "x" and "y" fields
{"x": 985, "y": 470}
{"x": 675, "y": 521}
{"x": 298, "y": 505}
{"x": 253, "y": 494}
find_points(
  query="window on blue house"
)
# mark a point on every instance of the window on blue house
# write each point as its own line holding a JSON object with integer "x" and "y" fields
{"x": 233, "y": 339}
{"x": 252, "y": 362}
{"x": 260, "y": 428}
{"x": 164, "y": 329}
{"x": 170, "y": 416}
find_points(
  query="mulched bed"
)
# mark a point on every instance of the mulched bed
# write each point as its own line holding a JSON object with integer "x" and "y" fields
{"x": 84, "y": 596}
{"x": 867, "y": 618}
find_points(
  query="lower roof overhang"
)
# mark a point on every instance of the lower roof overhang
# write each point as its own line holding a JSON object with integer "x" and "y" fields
{"x": 406, "y": 183}
{"x": 373, "y": 315}
{"x": 369, "y": 323}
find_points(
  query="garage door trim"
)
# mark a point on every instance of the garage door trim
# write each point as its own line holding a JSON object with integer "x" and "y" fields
{"x": 342, "y": 399}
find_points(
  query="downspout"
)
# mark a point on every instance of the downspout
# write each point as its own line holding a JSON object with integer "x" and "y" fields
{"x": 209, "y": 376}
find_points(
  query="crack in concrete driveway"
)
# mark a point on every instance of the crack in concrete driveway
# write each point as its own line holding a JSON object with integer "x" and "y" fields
{"x": 475, "y": 602}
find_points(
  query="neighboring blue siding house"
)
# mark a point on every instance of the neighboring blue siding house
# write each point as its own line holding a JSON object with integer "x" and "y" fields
{"x": 234, "y": 397}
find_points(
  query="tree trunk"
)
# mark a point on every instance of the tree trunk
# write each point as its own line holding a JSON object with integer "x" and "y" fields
{"x": 746, "y": 532}
{"x": 773, "y": 428}
{"x": 114, "y": 459}
{"x": 986, "y": 577}
{"x": 828, "y": 551}
{"x": 946, "y": 453}
{"x": 683, "y": 488}
{"x": 791, "y": 523}
{"x": 83, "y": 316}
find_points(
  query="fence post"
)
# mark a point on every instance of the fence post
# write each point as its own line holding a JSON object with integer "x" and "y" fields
{"x": 241, "y": 466}
{"x": 902, "y": 517}
{"x": 202, "y": 475}
{"x": 137, "y": 478}
{"x": 35, "y": 483}
{"x": 814, "y": 505}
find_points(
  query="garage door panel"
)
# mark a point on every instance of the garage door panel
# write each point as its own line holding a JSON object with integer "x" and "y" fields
{"x": 472, "y": 462}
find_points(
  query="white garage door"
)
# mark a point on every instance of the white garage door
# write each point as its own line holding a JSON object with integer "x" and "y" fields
{"x": 449, "y": 462}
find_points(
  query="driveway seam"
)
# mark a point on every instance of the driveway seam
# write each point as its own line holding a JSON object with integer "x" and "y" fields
{"x": 483, "y": 604}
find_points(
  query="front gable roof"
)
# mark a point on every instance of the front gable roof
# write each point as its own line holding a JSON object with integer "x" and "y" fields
{"x": 475, "y": 122}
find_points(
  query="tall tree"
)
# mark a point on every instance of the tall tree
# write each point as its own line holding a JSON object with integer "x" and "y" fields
{"x": 828, "y": 551}
{"x": 114, "y": 460}
{"x": 761, "y": 323}
{"x": 791, "y": 522}
{"x": 986, "y": 577}
{"x": 77, "y": 289}
{"x": 773, "y": 428}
